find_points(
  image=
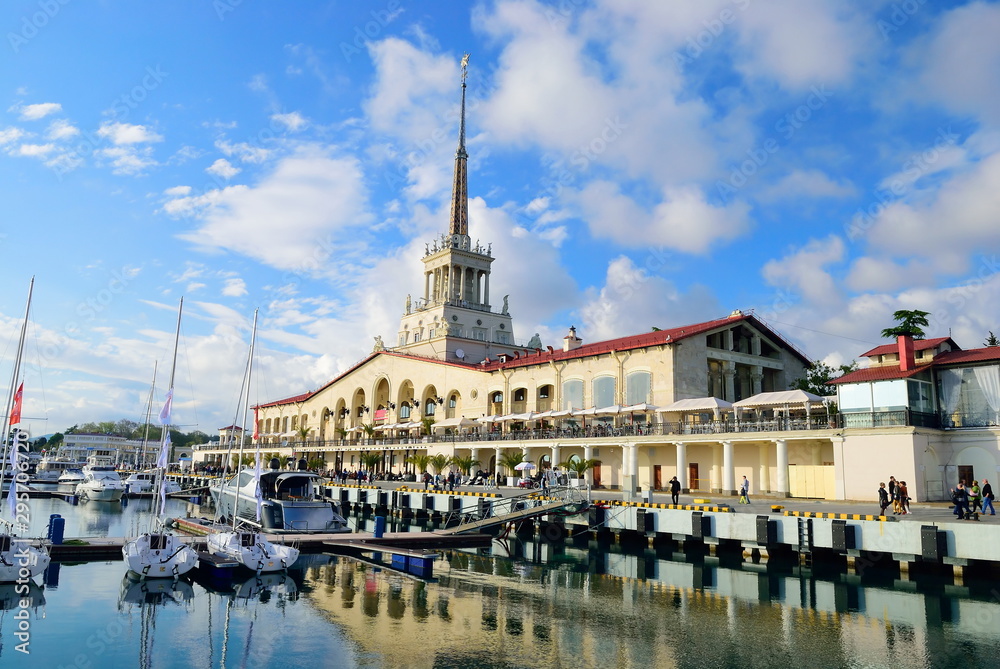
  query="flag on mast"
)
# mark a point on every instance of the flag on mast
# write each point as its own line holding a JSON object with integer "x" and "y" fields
{"x": 164, "y": 417}
{"x": 257, "y": 493}
{"x": 12, "y": 493}
{"x": 15, "y": 412}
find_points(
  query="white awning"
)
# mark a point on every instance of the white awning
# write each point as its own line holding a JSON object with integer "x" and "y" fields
{"x": 781, "y": 398}
{"x": 612, "y": 410}
{"x": 461, "y": 422}
{"x": 697, "y": 404}
{"x": 592, "y": 411}
{"x": 640, "y": 408}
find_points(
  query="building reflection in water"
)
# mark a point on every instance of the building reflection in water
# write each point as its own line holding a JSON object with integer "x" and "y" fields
{"x": 563, "y": 607}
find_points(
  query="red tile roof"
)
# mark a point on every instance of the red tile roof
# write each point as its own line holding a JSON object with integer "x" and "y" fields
{"x": 918, "y": 345}
{"x": 643, "y": 340}
{"x": 972, "y": 355}
{"x": 882, "y": 373}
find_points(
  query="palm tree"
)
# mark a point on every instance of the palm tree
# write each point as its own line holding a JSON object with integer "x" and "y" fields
{"x": 439, "y": 462}
{"x": 426, "y": 423}
{"x": 465, "y": 463}
{"x": 578, "y": 465}
{"x": 911, "y": 324}
{"x": 509, "y": 460}
{"x": 303, "y": 434}
{"x": 369, "y": 430}
{"x": 420, "y": 461}
{"x": 370, "y": 460}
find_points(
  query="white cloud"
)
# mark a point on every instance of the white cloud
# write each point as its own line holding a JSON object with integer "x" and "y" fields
{"x": 634, "y": 300}
{"x": 127, "y": 133}
{"x": 244, "y": 151}
{"x": 314, "y": 193}
{"x": 10, "y": 134}
{"x": 960, "y": 59}
{"x": 884, "y": 274}
{"x": 682, "y": 220}
{"x": 40, "y": 110}
{"x": 944, "y": 225}
{"x": 804, "y": 271}
{"x": 223, "y": 168}
{"x": 294, "y": 121}
{"x": 35, "y": 150}
{"x": 61, "y": 129}
{"x": 235, "y": 288}
{"x": 178, "y": 191}
{"x": 805, "y": 184}
{"x": 128, "y": 160}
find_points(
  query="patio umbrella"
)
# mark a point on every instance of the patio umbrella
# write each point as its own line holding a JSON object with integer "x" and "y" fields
{"x": 524, "y": 466}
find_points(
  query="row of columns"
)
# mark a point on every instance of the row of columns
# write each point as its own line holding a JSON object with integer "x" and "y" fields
{"x": 450, "y": 283}
{"x": 630, "y": 465}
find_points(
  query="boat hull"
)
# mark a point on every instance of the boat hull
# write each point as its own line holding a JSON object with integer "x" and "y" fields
{"x": 252, "y": 550}
{"x": 285, "y": 512}
{"x": 159, "y": 556}
{"x": 100, "y": 493}
{"x": 16, "y": 555}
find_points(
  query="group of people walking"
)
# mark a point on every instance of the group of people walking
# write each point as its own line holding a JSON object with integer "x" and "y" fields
{"x": 897, "y": 495}
{"x": 972, "y": 499}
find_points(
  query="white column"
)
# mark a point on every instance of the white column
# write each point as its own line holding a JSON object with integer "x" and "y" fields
{"x": 728, "y": 472}
{"x": 427, "y": 286}
{"x": 588, "y": 453}
{"x": 555, "y": 455}
{"x": 475, "y": 456}
{"x": 486, "y": 296}
{"x": 496, "y": 468}
{"x": 781, "y": 482}
{"x": 763, "y": 478}
{"x": 682, "y": 465}
{"x": 633, "y": 461}
{"x": 715, "y": 482}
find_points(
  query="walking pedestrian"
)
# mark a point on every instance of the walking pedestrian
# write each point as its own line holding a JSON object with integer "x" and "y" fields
{"x": 675, "y": 491}
{"x": 974, "y": 499}
{"x": 987, "y": 492}
{"x": 892, "y": 494}
{"x": 904, "y": 498}
{"x": 883, "y": 499}
{"x": 745, "y": 491}
{"x": 961, "y": 499}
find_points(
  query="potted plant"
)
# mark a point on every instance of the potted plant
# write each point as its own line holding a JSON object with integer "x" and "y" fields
{"x": 578, "y": 466}
{"x": 508, "y": 461}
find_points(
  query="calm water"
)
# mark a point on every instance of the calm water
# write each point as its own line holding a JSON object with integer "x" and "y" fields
{"x": 546, "y": 607}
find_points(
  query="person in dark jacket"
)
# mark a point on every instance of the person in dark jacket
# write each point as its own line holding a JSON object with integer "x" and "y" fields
{"x": 883, "y": 499}
{"x": 961, "y": 499}
{"x": 675, "y": 491}
{"x": 987, "y": 492}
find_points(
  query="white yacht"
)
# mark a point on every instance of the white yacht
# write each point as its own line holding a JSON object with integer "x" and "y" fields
{"x": 158, "y": 555}
{"x": 51, "y": 469}
{"x": 141, "y": 483}
{"x": 288, "y": 501}
{"x": 13, "y": 558}
{"x": 252, "y": 550}
{"x": 70, "y": 477}
{"x": 101, "y": 483}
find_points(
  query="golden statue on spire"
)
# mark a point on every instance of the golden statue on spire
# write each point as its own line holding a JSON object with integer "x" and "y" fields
{"x": 465, "y": 66}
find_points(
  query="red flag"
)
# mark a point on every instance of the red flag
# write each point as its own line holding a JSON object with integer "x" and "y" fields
{"x": 256, "y": 432}
{"x": 15, "y": 412}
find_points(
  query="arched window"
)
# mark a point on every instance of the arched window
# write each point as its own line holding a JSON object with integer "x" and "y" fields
{"x": 604, "y": 391}
{"x": 638, "y": 386}
{"x": 572, "y": 394}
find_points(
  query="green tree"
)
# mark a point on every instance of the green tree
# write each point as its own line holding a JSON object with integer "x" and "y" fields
{"x": 303, "y": 434}
{"x": 370, "y": 460}
{"x": 420, "y": 462}
{"x": 510, "y": 459}
{"x": 465, "y": 463}
{"x": 440, "y": 462}
{"x": 578, "y": 465}
{"x": 425, "y": 424}
{"x": 817, "y": 376}
{"x": 55, "y": 441}
{"x": 369, "y": 429}
{"x": 991, "y": 340}
{"x": 316, "y": 463}
{"x": 910, "y": 322}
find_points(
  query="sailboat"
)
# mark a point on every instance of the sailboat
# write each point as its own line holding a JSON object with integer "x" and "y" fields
{"x": 15, "y": 553}
{"x": 158, "y": 554}
{"x": 245, "y": 543}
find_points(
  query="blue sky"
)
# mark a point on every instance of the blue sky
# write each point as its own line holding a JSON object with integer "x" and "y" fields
{"x": 634, "y": 164}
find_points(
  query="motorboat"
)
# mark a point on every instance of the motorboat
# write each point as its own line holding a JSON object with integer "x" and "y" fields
{"x": 142, "y": 483}
{"x": 70, "y": 477}
{"x": 159, "y": 555}
{"x": 51, "y": 469}
{"x": 252, "y": 550}
{"x": 101, "y": 483}
{"x": 288, "y": 501}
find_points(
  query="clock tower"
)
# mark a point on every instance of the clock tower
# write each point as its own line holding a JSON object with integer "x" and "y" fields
{"x": 453, "y": 319}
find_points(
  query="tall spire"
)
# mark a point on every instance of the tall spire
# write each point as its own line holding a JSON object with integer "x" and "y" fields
{"x": 459, "y": 222}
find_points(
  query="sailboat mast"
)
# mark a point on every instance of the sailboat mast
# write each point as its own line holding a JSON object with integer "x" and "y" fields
{"x": 245, "y": 401}
{"x": 8, "y": 442}
{"x": 140, "y": 458}
{"x": 165, "y": 436}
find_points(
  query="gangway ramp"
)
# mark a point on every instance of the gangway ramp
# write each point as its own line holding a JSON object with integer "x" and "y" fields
{"x": 559, "y": 501}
